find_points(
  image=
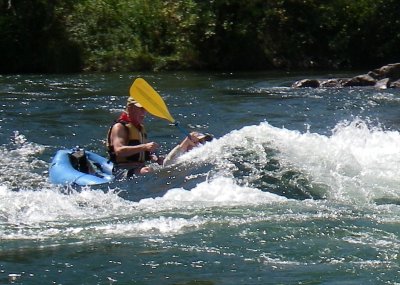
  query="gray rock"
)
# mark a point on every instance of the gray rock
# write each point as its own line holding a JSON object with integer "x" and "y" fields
{"x": 314, "y": 83}
{"x": 383, "y": 83}
{"x": 382, "y": 78}
{"x": 391, "y": 71}
{"x": 334, "y": 82}
{"x": 395, "y": 84}
{"x": 360, "y": 80}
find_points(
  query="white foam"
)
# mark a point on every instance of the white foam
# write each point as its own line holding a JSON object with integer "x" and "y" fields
{"x": 356, "y": 162}
{"x": 223, "y": 191}
{"x": 161, "y": 225}
{"x": 32, "y": 207}
{"x": 18, "y": 163}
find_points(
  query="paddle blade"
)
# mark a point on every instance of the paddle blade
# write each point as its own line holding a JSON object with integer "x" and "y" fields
{"x": 143, "y": 93}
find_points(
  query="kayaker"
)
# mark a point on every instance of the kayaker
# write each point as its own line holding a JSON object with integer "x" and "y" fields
{"x": 129, "y": 149}
{"x": 127, "y": 144}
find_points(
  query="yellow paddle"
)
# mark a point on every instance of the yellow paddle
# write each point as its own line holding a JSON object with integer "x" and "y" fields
{"x": 144, "y": 94}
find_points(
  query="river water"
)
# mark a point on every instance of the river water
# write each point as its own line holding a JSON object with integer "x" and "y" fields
{"x": 299, "y": 186}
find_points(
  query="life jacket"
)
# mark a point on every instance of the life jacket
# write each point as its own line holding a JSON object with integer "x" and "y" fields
{"x": 135, "y": 137}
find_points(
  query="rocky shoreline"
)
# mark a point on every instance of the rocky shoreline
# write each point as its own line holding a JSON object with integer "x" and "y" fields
{"x": 387, "y": 76}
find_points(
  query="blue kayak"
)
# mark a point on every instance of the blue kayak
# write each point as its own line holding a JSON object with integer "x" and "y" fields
{"x": 80, "y": 167}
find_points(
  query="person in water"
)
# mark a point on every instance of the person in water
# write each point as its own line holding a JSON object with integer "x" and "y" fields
{"x": 194, "y": 139}
{"x": 129, "y": 149}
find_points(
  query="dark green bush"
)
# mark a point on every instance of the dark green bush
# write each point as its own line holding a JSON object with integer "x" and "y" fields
{"x": 110, "y": 35}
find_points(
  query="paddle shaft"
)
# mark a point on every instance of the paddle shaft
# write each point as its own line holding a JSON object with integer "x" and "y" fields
{"x": 185, "y": 132}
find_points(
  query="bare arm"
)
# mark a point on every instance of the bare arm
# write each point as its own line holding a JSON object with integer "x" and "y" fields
{"x": 119, "y": 140}
{"x": 186, "y": 145}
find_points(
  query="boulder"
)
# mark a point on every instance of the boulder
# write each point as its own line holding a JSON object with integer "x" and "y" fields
{"x": 314, "y": 83}
{"x": 387, "y": 76}
{"x": 391, "y": 71}
{"x": 360, "y": 80}
{"x": 395, "y": 84}
{"x": 335, "y": 82}
{"x": 383, "y": 83}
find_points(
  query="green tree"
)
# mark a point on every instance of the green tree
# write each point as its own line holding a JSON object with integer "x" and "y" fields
{"x": 108, "y": 35}
{"x": 32, "y": 38}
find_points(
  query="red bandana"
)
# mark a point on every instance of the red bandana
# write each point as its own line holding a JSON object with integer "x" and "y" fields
{"x": 124, "y": 117}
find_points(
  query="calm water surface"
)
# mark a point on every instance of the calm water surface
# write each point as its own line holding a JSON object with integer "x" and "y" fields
{"x": 300, "y": 186}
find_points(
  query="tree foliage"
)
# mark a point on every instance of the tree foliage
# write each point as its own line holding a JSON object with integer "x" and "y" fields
{"x": 108, "y": 35}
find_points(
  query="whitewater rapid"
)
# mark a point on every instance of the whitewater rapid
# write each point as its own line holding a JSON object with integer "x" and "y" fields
{"x": 355, "y": 166}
